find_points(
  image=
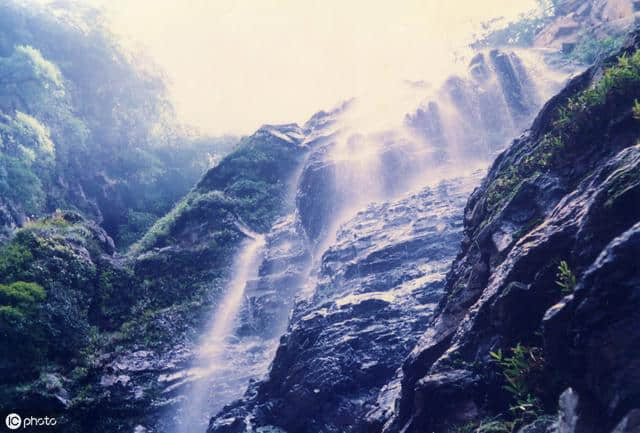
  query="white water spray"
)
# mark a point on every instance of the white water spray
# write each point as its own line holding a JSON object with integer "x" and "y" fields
{"x": 220, "y": 372}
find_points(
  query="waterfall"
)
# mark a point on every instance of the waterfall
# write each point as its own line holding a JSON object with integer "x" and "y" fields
{"x": 446, "y": 131}
{"x": 219, "y": 373}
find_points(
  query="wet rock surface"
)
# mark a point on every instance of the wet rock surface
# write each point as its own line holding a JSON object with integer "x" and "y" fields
{"x": 502, "y": 289}
{"x": 375, "y": 290}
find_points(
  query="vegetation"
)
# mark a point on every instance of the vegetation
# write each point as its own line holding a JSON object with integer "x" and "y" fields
{"x": 636, "y": 109}
{"x": 522, "y": 32}
{"x": 84, "y": 125}
{"x": 574, "y": 121}
{"x": 71, "y": 295}
{"x": 591, "y": 48}
{"x": 545, "y": 153}
{"x": 22, "y": 327}
{"x": 522, "y": 371}
{"x": 255, "y": 176}
{"x": 623, "y": 78}
{"x": 565, "y": 279}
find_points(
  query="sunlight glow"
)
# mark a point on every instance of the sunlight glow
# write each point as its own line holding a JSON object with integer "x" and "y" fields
{"x": 234, "y": 65}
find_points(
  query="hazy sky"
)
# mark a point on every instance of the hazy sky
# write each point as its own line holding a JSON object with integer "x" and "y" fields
{"x": 234, "y": 65}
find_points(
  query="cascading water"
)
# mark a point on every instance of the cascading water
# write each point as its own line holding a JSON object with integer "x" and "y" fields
{"x": 369, "y": 154}
{"x": 223, "y": 363}
{"x": 359, "y": 153}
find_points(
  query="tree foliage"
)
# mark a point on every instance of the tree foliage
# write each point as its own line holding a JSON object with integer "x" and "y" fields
{"x": 86, "y": 124}
{"x": 21, "y": 327}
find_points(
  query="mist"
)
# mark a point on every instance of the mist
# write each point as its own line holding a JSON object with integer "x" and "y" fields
{"x": 235, "y": 65}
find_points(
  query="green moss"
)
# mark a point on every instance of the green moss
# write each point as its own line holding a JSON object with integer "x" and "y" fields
{"x": 528, "y": 227}
{"x": 621, "y": 79}
{"x": 574, "y": 120}
{"x": 536, "y": 161}
{"x": 195, "y": 207}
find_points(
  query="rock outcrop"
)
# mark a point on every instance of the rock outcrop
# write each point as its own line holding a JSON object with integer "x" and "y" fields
{"x": 598, "y": 18}
{"x": 576, "y": 201}
{"x": 375, "y": 290}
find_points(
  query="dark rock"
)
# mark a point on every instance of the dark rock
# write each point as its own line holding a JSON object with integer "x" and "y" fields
{"x": 592, "y": 336}
{"x": 630, "y": 423}
{"x": 375, "y": 290}
{"x": 502, "y": 287}
{"x": 450, "y": 394}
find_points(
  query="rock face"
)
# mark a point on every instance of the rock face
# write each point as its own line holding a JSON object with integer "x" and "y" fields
{"x": 599, "y": 17}
{"x": 123, "y": 327}
{"x": 376, "y": 288}
{"x": 337, "y": 367}
{"x": 285, "y": 266}
{"x": 575, "y": 201}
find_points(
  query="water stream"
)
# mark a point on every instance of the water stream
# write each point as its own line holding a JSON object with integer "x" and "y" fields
{"x": 450, "y": 133}
{"x": 225, "y": 362}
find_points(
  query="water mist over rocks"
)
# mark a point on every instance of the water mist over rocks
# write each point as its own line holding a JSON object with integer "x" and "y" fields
{"x": 379, "y": 268}
{"x": 224, "y": 363}
{"x": 326, "y": 176}
{"x": 373, "y": 273}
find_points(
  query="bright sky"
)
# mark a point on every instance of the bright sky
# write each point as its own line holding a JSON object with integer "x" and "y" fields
{"x": 234, "y": 65}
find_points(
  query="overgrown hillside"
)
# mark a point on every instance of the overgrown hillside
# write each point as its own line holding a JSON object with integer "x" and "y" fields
{"x": 89, "y": 318}
{"x": 85, "y": 125}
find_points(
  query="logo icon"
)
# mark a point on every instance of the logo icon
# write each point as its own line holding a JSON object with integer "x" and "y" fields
{"x": 13, "y": 421}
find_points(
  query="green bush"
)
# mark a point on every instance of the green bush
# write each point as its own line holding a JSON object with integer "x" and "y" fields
{"x": 21, "y": 327}
{"x": 522, "y": 372}
{"x": 589, "y": 48}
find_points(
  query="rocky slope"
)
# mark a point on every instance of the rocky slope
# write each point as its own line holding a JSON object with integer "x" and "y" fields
{"x": 183, "y": 262}
{"x": 568, "y": 190}
{"x": 539, "y": 310}
{"x": 376, "y": 289}
{"x": 120, "y": 327}
{"x": 362, "y": 311}
{"x": 577, "y": 18}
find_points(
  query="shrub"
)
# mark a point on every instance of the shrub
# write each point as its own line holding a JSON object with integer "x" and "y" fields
{"x": 589, "y": 48}
{"x": 15, "y": 257}
{"x": 565, "y": 278}
{"x": 21, "y": 327}
{"x": 522, "y": 371}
